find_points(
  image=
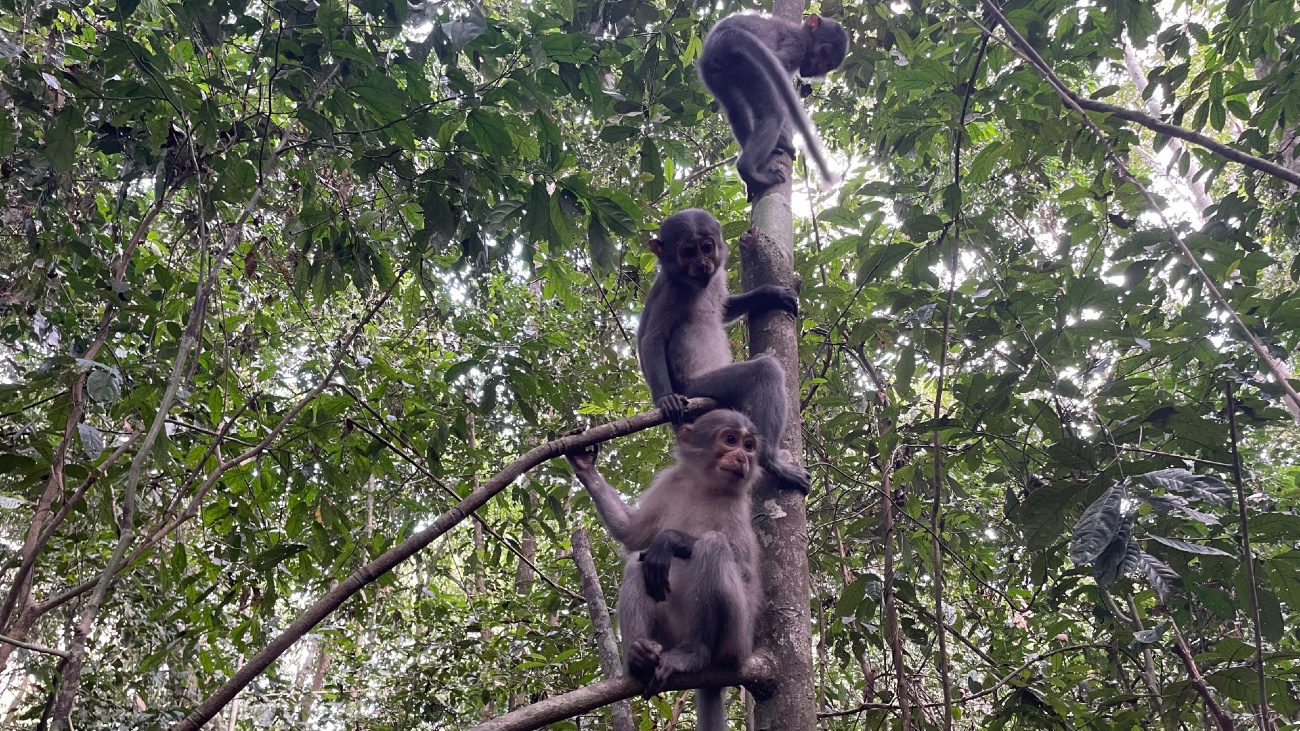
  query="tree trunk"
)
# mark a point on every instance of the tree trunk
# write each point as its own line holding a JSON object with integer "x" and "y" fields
{"x": 785, "y": 619}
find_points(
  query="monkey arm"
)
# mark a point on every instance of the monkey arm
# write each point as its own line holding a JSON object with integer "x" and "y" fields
{"x": 614, "y": 513}
{"x": 656, "y": 560}
{"x": 654, "y": 364}
{"x": 653, "y": 356}
{"x": 760, "y": 299}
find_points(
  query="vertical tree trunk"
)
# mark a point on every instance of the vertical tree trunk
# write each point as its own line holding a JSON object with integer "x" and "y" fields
{"x": 785, "y": 619}
{"x": 611, "y": 664}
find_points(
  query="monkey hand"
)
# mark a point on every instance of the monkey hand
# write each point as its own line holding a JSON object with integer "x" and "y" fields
{"x": 655, "y": 571}
{"x": 787, "y": 300}
{"x": 657, "y": 559}
{"x": 582, "y": 459}
{"x": 674, "y": 406}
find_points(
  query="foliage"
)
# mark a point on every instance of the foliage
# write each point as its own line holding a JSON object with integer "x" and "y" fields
{"x": 410, "y": 242}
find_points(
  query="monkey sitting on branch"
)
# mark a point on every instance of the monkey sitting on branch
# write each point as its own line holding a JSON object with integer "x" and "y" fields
{"x": 691, "y": 587}
{"x": 746, "y": 63}
{"x": 682, "y": 346}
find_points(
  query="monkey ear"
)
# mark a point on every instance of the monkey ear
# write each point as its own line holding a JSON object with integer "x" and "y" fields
{"x": 657, "y": 247}
{"x": 813, "y": 21}
{"x": 685, "y": 433}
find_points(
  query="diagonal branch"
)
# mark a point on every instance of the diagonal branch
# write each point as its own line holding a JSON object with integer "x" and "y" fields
{"x": 385, "y": 562}
{"x": 1196, "y": 138}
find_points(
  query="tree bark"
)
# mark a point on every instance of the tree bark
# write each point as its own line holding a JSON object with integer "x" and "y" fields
{"x": 606, "y": 644}
{"x": 780, "y": 514}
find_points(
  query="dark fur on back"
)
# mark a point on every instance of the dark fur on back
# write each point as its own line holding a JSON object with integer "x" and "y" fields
{"x": 746, "y": 63}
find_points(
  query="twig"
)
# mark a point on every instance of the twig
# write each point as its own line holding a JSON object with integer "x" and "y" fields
{"x": 33, "y": 648}
{"x": 756, "y": 676}
{"x": 478, "y": 518}
{"x": 890, "y": 595}
{"x": 1243, "y": 526}
{"x": 1221, "y": 717}
{"x": 385, "y": 562}
{"x": 964, "y": 699}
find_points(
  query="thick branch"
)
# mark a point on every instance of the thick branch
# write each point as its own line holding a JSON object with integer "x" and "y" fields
{"x": 1173, "y": 130}
{"x": 384, "y": 563}
{"x": 756, "y": 676}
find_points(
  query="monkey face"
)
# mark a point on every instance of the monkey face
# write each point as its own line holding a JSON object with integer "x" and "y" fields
{"x": 690, "y": 246}
{"x": 698, "y": 257}
{"x": 736, "y": 451}
{"x": 827, "y": 47}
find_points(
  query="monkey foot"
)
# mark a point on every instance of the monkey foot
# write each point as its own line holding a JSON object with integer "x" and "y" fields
{"x": 643, "y": 657}
{"x": 790, "y": 474}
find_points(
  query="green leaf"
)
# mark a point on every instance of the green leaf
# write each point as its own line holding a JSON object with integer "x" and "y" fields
{"x": 273, "y": 557}
{"x": 881, "y": 259}
{"x": 104, "y": 386}
{"x": 1204, "y": 487}
{"x": 982, "y": 166}
{"x": 237, "y": 181}
{"x": 1275, "y": 527}
{"x": 61, "y": 140}
{"x": 489, "y": 132}
{"x": 92, "y": 441}
{"x": 618, "y": 212}
{"x": 1042, "y": 515}
{"x": 8, "y": 135}
{"x": 1162, "y": 578}
{"x": 1186, "y": 547}
{"x": 604, "y": 255}
{"x": 1098, "y": 527}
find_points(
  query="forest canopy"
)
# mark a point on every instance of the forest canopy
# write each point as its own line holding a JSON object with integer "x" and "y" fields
{"x": 287, "y": 285}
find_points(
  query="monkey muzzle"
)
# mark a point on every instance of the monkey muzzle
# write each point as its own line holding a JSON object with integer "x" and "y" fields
{"x": 735, "y": 464}
{"x": 702, "y": 269}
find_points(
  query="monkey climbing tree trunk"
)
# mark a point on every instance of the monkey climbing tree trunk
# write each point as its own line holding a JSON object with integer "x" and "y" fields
{"x": 785, "y": 620}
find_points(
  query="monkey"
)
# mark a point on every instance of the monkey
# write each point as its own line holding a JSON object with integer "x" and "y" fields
{"x": 682, "y": 346}
{"x": 746, "y": 63}
{"x": 691, "y": 587}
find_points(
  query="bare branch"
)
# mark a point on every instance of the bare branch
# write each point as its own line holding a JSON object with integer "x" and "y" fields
{"x": 1173, "y": 130}
{"x": 756, "y": 676}
{"x": 33, "y": 648}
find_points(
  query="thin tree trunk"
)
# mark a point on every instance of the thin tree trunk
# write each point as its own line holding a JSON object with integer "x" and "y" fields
{"x": 780, "y": 514}
{"x": 606, "y": 645}
{"x": 524, "y": 575}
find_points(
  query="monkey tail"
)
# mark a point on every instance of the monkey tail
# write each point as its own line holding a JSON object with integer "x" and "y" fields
{"x": 709, "y": 712}
{"x": 770, "y": 66}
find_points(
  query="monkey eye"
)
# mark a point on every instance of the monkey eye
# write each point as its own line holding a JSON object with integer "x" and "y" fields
{"x": 707, "y": 247}
{"x": 749, "y": 445}
{"x": 688, "y": 252}
{"x": 730, "y": 440}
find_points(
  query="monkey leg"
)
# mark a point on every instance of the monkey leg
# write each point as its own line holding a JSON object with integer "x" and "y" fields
{"x": 638, "y": 618}
{"x": 756, "y": 387}
{"x": 755, "y": 158}
{"x": 714, "y": 610}
{"x": 739, "y": 114}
